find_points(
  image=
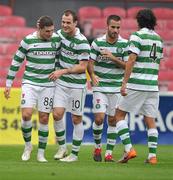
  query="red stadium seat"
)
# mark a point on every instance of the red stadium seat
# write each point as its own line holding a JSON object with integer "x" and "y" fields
{"x": 169, "y": 63}
{"x": 22, "y": 32}
{"x": 86, "y": 15}
{"x": 5, "y": 10}
{"x": 126, "y": 33}
{"x": 17, "y": 83}
{"x": 166, "y": 75}
{"x": 166, "y": 36}
{"x": 2, "y": 82}
{"x": 131, "y": 12}
{"x": 98, "y": 27}
{"x": 161, "y": 25}
{"x": 129, "y": 24}
{"x": 88, "y": 12}
{"x": 12, "y": 48}
{"x": 163, "y": 12}
{"x": 5, "y": 61}
{"x": 14, "y": 21}
{"x": 170, "y": 86}
{"x": 169, "y": 24}
{"x": 114, "y": 10}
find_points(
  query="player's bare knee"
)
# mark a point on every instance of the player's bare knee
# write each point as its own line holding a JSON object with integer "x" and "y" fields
{"x": 76, "y": 119}
{"x": 57, "y": 116}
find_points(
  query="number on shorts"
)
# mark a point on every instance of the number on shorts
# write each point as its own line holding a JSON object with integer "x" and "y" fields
{"x": 48, "y": 101}
{"x": 76, "y": 104}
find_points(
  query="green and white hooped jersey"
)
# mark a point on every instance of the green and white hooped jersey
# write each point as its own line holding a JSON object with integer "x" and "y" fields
{"x": 40, "y": 60}
{"x": 109, "y": 73}
{"x": 148, "y": 46}
{"x": 73, "y": 50}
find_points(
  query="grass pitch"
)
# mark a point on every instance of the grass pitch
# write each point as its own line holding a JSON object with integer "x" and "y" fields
{"x": 12, "y": 168}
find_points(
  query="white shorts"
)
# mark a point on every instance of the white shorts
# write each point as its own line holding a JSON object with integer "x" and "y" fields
{"x": 146, "y": 103}
{"x": 73, "y": 100}
{"x": 105, "y": 103}
{"x": 37, "y": 97}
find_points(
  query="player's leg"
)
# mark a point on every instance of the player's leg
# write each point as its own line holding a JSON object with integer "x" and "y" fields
{"x": 77, "y": 101}
{"x": 60, "y": 103}
{"x": 113, "y": 100}
{"x": 100, "y": 103}
{"x": 130, "y": 103}
{"x": 111, "y": 139}
{"x": 45, "y": 102}
{"x": 150, "y": 109}
{"x": 28, "y": 101}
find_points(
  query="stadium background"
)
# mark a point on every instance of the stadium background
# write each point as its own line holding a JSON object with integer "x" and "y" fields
{"x": 30, "y": 11}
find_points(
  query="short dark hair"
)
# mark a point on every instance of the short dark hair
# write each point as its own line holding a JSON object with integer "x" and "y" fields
{"x": 113, "y": 17}
{"x": 44, "y": 21}
{"x": 146, "y": 18}
{"x": 68, "y": 12}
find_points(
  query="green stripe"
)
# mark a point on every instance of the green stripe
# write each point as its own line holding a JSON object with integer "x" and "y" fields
{"x": 97, "y": 131}
{"x": 109, "y": 76}
{"x": 74, "y": 81}
{"x": 39, "y": 71}
{"x": 37, "y": 80}
{"x": 112, "y": 136}
{"x": 76, "y": 142}
{"x": 68, "y": 60}
{"x": 147, "y": 60}
{"x": 123, "y": 131}
{"x": 109, "y": 147}
{"x": 10, "y": 77}
{"x": 43, "y": 134}
{"x": 152, "y": 150}
{"x": 106, "y": 65}
{"x": 75, "y": 153}
{"x": 61, "y": 142}
{"x": 28, "y": 139}
{"x": 23, "y": 50}
{"x": 110, "y": 84}
{"x": 143, "y": 82}
{"x": 148, "y": 36}
{"x": 126, "y": 141}
{"x": 145, "y": 71}
{"x": 14, "y": 68}
{"x": 60, "y": 133}
{"x": 42, "y": 145}
{"x": 152, "y": 139}
{"x": 41, "y": 61}
{"x": 97, "y": 141}
{"x": 26, "y": 130}
{"x": 18, "y": 59}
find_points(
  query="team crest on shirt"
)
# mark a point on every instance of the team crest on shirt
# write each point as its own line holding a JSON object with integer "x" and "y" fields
{"x": 72, "y": 44}
{"x": 119, "y": 50}
{"x": 53, "y": 44}
{"x": 97, "y": 105}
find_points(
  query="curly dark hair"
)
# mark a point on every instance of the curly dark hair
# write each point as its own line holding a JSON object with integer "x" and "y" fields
{"x": 146, "y": 18}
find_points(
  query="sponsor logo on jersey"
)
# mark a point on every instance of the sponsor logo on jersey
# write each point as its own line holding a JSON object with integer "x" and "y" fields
{"x": 44, "y": 53}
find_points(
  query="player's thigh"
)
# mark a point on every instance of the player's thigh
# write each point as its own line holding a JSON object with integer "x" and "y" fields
{"x": 45, "y": 100}
{"x": 29, "y": 96}
{"x": 151, "y": 105}
{"x": 100, "y": 102}
{"x": 77, "y": 101}
{"x": 61, "y": 96}
{"x": 113, "y": 101}
{"x": 132, "y": 102}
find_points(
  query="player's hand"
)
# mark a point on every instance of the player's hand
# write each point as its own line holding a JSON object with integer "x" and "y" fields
{"x": 106, "y": 53}
{"x": 7, "y": 92}
{"x": 56, "y": 74}
{"x": 95, "y": 80}
{"x": 123, "y": 90}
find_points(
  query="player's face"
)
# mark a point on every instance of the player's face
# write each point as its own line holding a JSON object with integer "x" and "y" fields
{"x": 113, "y": 29}
{"x": 46, "y": 32}
{"x": 68, "y": 25}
